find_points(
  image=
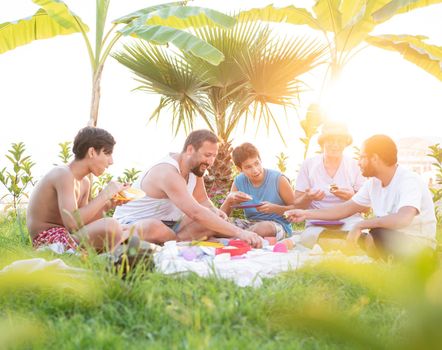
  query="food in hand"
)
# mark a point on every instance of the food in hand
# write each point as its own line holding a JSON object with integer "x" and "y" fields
{"x": 129, "y": 194}
{"x": 333, "y": 187}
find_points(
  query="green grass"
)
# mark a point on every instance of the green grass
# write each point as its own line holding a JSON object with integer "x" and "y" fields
{"x": 302, "y": 309}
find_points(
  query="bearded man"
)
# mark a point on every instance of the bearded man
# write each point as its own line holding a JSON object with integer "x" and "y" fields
{"x": 176, "y": 206}
{"x": 403, "y": 221}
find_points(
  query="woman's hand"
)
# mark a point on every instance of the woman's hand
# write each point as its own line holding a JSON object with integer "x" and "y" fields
{"x": 314, "y": 195}
{"x": 343, "y": 193}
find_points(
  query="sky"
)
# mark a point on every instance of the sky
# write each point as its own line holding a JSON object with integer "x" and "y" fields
{"x": 45, "y": 93}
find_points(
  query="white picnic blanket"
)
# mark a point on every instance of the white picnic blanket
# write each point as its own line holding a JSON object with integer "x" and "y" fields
{"x": 250, "y": 270}
{"x": 38, "y": 264}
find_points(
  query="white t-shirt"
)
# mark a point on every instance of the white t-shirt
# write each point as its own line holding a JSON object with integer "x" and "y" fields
{"x": 314, "y": 176}
{"x": 406, "y": 189}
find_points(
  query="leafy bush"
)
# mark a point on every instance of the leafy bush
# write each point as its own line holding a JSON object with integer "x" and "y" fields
{"x": 65, "y": 153}
{"x": 282, "y": 162}
{"x": 310, "y": 125}
{"x": 436, "y": 153}
{"x": 17, "y": 179}
{"x": 129, "y": 176}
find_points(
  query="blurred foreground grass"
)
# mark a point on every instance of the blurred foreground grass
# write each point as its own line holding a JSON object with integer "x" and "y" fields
{"x": 328, "y": 306}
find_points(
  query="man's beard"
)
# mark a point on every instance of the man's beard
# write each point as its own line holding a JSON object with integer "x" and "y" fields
{"x": 197, "y": 169}
{"x": 368, "y": 171}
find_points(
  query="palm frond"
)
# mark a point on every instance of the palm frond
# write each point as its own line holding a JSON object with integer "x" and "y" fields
{"x": 170, "y": 76}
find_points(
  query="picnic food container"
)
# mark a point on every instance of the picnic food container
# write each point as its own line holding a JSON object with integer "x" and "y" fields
{"x": 129, "y": 194}
{"x": 280, "y": 248}
{"x": 234, "y": 248}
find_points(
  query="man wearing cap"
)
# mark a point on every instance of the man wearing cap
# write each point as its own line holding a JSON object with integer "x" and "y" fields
{"x": 328, "y": 179}
{"x": 403, "y": 221}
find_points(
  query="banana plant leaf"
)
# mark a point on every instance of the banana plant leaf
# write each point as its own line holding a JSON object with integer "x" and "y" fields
{"x": 162, "y": 35}
{"x": 352, "y": 11}
{"x": 182, "y": 17}
{"x": 400, "y": 6}
{"x": 413, "y": 49}
{"x": 52, "y": 19}
{"x": 164, "y": 24}
{"x": 143, "y": 12}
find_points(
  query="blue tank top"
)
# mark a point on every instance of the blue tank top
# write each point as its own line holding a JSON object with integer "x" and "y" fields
{"x": 267, "y": 191}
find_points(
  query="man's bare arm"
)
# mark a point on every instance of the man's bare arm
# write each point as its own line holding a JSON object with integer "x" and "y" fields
{"x": 226, "y": 207}
{"x": 73, "y": 216}
{"x": 202, "y": 198}
{"x": 337, "y": 212}
{"x": 200, "y": 194}
{"x": 175, "y": 188}
{"x": 401, "y": 219}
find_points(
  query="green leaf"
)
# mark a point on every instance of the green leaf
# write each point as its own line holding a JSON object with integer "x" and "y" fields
{"x": 141, "y": 13}
{"x": 327, "y": 13}
{"x": 40, "y": 26}
{"x": 413, "y": 49}
{"x": 160, "y": 73}
{"x": 400, "y": 6}
{"x": 182, "y": 17}
{"x": 352, "y": 11}
{"x": 101, "y": 15}
{"x": 182, "y": 40}
{"x": 59, "y": 12}
{"x": 289, "y": 14}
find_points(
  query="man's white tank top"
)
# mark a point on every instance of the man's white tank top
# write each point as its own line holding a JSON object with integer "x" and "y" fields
{"x": 153, "y": 208}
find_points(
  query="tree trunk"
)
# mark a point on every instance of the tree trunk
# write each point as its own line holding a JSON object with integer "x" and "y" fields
{"x": 96, "y": 94}
{"x": 219, "y": 180}
{"x": 95, "y": 104}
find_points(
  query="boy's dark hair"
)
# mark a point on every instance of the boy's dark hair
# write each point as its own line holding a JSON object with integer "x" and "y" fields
{"x": 198, "y": 137}
{"x": 241, "y": 153}
{"x": 97, "y": 138}
{"x": 383, "y": 146}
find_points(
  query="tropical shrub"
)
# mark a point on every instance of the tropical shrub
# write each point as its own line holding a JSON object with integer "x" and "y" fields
{"x": 129, "y": 176}
{"x": 310, "y": 125}
{"x": 65, "y": 153}
{"x": 436, "y": 154}
{"x": 18, "y": 177}
{"x": 99, "y": 183}
{"x": 282, "y": 162}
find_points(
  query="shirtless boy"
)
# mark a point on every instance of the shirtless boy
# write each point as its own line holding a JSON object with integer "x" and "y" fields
{"x": 59, "y": 210}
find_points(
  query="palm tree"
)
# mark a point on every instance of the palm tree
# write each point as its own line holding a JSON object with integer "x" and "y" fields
{"x": 259, "y": 69}
{"x": 161, "y": 24}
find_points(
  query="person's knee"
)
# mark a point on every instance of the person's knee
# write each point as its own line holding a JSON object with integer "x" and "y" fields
{"x": 154, "y": 231}
{"x": 264, "y": 228}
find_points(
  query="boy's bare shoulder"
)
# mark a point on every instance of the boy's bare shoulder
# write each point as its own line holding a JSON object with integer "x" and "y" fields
{"x": 59, "y": 174}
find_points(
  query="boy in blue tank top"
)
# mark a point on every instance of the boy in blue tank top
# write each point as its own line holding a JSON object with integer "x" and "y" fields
{"x": 265, "y": 195}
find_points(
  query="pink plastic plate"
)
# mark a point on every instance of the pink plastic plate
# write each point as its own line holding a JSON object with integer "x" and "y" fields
{"x": 245, "y": 206}
{"x": 327, "y": 223}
